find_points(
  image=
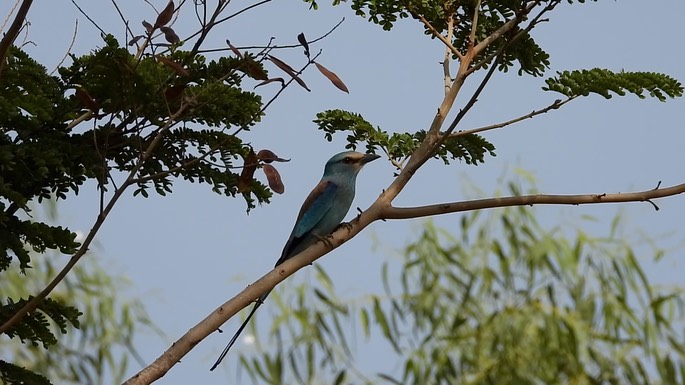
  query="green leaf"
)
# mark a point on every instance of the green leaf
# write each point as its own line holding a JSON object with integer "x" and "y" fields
{"x": 605, "y": 82}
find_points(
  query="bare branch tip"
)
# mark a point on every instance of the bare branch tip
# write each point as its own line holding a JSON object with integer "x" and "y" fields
{"x": 653, "y": 204}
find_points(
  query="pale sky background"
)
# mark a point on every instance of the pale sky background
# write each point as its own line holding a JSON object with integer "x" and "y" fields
{"x": 189, "y": 252}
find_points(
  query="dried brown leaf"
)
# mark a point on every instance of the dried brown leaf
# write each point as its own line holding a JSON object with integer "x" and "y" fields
{"x": 304, "y": 43}
{"x": 176, "y": 67}
{"x": 172, "y": 92}
{"x": 235, "y": 50}
{"x": 245, "y": 179}
{"x": 148, "y": 27}
{"x": 268, "y": 156}
{"x": 332, "y": 77}
{"x": 170, "y": 35}
{"x": 164, "y": 17}
{"x": 84, "y": 97}
{"x": 283, "y": 65}
{"x": 274, "y": 179}
{"x": 253, "y": 69}
{"x": 135, "y": 40}
{"x": 289, "y": 70}
{"x": 267, "y": 81}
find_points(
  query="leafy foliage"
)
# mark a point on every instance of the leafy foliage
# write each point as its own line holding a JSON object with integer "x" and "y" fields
{"x": 11, "y": 374}
{"x": 604, "y": 82}
{"x": 142, "y": 124}
{"x": 36, "y": 327}
{"x": 508, "y": 301}
{"x": 521, "y": 48}
{"x": 470, "y": 148}
{"x": 43, "y": 157}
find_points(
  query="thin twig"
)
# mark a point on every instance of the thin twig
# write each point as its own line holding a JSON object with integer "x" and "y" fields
{"x": 437, "y": 34}
{"x": 276, "y": 46}
{"x": 102, "y": 31}
{"x": 204, "y": 31}
{"x": 71, "y": 45}
{"x": 557, "y": 104}
{"x": 229, "y": 17}
{"x": 9, "y": 15}
{"x": 123, "y": 19}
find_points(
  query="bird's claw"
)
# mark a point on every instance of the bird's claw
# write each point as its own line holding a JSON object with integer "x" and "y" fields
{"x": 326, "y": 240}
{"x": 345, "y": 225}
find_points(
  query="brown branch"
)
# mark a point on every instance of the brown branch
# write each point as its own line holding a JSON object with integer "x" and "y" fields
{"x": 506, "y": 27}
{"x": 378, "y": 210}
{"x": 529, "y": 200}
{"x": 223, "y": 313}
{"x": 437, "y": 34}
{"x": 446, "y": 63}
{"x": 13, "y": 32}
{"x": 474, "y": 25}
{"x": 557, "y": 104}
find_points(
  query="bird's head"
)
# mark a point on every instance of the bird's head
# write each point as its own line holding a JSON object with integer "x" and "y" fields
{"x": 348, "y": 163}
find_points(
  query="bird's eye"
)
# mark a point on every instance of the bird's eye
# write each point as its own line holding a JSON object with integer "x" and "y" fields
{"x": 347, "y": 160}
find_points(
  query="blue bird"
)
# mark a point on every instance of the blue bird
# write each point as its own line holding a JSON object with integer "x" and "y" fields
{"x": 321, "y": 213}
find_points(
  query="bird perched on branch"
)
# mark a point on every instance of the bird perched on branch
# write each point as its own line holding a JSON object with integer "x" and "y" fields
{"x": 321, "y": 213}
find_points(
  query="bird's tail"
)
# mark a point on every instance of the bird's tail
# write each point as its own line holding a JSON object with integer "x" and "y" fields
{"x": 240, "y": 330}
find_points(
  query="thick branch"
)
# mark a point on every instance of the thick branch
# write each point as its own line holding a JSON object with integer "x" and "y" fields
{"x": 377, "y": 211}
{"x": 13, "y": 31}
{"x": 529, "y": 200}
{"x": 218, "y": 317}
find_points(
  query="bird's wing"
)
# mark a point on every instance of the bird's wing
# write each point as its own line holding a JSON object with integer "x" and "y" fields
{"x": 314, "y": 208}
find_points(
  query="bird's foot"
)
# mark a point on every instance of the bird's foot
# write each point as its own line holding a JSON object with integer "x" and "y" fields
{"x": 345, "y": 225}
{"x": 326, "y": 240}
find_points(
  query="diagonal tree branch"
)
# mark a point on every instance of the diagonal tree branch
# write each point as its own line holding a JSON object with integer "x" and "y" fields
{"x": 13, "y": 31}
{"x": 377, "y": 211}
{"x": 554, "y": 106}
{"x": 438, "y": 35}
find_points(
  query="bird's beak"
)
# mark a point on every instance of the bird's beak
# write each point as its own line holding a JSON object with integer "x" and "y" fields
{"x": 368, "y": 158}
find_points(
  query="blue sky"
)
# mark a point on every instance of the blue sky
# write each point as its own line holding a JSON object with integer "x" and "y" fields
{"x": 189, "y": 252}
